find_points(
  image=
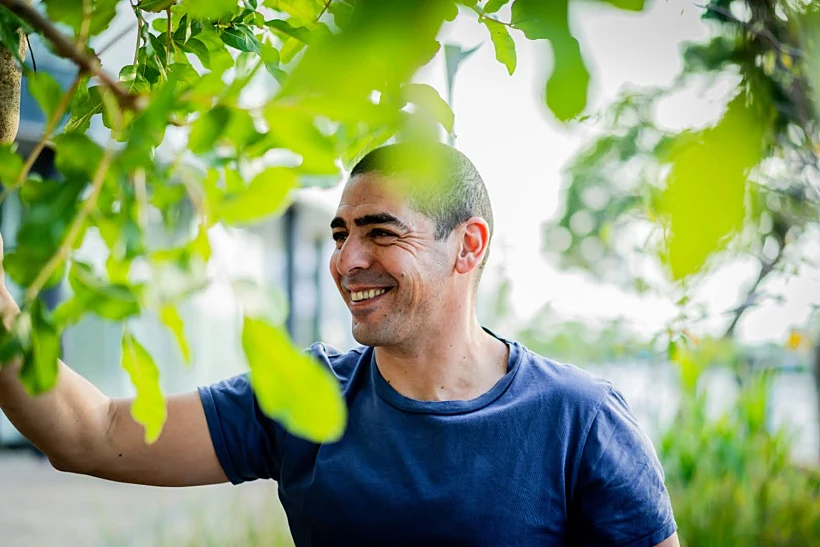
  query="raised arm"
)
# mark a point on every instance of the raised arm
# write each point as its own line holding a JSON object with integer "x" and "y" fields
{"x": 81, "y": 430}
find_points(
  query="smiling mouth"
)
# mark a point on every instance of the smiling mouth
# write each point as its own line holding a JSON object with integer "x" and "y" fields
{"x": 361, "y": 296}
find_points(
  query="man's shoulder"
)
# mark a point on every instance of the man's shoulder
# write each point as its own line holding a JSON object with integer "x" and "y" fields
{"x": 343, "y": 364}
{"x": 561, "y": 383}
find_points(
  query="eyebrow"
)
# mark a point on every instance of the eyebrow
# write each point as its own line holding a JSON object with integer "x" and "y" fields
{"x": 366, "y": 220}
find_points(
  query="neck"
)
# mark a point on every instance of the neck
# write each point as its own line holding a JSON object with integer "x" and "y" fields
{"x": 458, "y": 361}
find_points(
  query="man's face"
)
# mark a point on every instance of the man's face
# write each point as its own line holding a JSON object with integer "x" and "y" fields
{"x": 390, "y": 270}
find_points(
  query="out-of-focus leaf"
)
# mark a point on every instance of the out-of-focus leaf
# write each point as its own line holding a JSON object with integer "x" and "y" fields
{"x": 46, "y": 91}
{"x": 266, "y": 195}
{"x": 494, "y": 5}
{"x": 704, "y": 197}
{"x": 10, "y": 164}
{"x": 566, "y": 90}
{"x": 301, "y": 10}
{"x": 77, "y": 155}
{"x": 428, "y": 98}
{"x": 170, "y": 318}
{"x": 382, "y": 47}
{"x": 156, "y": 6}
{"x": 292, "y": 387}
{"x": 39, "y": 371}
{"x": 149, "y": 408}
{"x": 207, "y": 129}
{"x": 631, "y": 5}
{"x": 110, "y": 301}
{"x": 295, "y": 129}
{"x": 503, "y": 44}
{"x": 567, "y": 86}
{"x": 210, "y": 9}
{"x": 71, "y": 14}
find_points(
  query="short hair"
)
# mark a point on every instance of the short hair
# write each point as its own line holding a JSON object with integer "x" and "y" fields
{"x": 441, "y": 183}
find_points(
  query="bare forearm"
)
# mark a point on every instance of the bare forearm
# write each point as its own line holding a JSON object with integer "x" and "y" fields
{"x": 68, "y": 423}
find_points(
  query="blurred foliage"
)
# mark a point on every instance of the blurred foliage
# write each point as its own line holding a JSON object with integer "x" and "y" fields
{"x": 271, "y": 95}
{"x": 641, "y": 194}
{"x": 731, "y": 479}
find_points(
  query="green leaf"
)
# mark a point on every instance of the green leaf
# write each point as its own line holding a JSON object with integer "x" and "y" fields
{"x": 210, "y": 9}
{"x": 46, "y": 91}
{"x": 303, "y": 10}
{"x": 300, "y": 33}
{"x": 156, "y": 6}
{"x": 24, "y": 264}
{"x": 77, "y": 155}
{"x": 207, "y": 129}
{"x": 503, "y": 44}
{"x": 134, "y": 82}
{"x": 10, "y": 164}
{"x": 703, "y": 201}
{"x": 567, "y": 87}
{"x": 110, "y": 301}
{"x": 291, "y": 386}
{"x": 198, "y": 48}
{"x": 540, "y": 20}
{"x": 428, "y": 98}
{"x": 631, "y": 5}
{"x": 71, "y": 14}
{"x": 494, "y": 5}
{"x": 149, "y": 408}
{"x": 295, "y": 129}
{"x": 170, "y": 318}
{"x": 39, "y": 371}
{"x": 85, "y": 106}
{"x": 240, "y": 37}
{"x": 266, "y": 195}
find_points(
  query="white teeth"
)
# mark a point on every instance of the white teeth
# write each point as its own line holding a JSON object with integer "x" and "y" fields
{"x": 358, "y": 296}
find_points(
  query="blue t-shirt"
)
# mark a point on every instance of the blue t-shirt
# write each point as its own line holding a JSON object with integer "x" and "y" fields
{"x": 551, "y": 455}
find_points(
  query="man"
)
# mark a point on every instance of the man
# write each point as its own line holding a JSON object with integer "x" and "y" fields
{"x": 455, "y": 435}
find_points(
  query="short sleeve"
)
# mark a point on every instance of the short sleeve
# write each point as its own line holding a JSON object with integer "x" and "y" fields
{"x": 246, "y": 441}
{"x": 620, "y": 498}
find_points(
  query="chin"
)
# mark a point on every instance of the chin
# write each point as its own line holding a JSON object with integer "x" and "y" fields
{"x": 372, "y": 335}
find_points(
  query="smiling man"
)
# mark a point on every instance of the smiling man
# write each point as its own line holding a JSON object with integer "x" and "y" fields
{"x": 456, "y": 436}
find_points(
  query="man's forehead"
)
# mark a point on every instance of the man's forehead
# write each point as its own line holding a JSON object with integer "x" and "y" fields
{"x": 373, "y": 189}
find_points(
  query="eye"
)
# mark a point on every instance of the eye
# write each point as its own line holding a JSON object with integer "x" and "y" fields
{"x": 338, "y": 237}
{"x": 378, "y": 232}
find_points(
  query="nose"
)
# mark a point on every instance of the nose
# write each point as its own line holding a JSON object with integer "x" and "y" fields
{"x": 352, "y": 256}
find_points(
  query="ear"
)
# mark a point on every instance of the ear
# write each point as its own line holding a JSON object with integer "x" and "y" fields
{"x": 474, "y": 237}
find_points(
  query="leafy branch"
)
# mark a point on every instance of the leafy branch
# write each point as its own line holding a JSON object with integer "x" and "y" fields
{"x": 68, "y": 50}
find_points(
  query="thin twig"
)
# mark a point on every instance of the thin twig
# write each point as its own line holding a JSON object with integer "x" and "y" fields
{"x": 168, "y": 40}
{"x": 68, "y": 50}
{"x": 324, "y": 9}
{"x": 85, "y": 27}
{"x": 113, "y": 41}
{"x": 75, "y": 228}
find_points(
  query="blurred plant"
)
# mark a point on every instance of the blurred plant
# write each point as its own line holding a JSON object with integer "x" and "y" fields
{"x": 731, "y": 480}
{"x": 641, "y": 195}
{"x": 340, "y": 75}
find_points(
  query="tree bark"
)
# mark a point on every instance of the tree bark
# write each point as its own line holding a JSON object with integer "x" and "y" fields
{"x": 10, "y": 81}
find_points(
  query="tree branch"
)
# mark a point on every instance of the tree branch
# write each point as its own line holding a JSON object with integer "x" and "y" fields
{"x": 765, "y": 270}
{"x": 68, "y": 50}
